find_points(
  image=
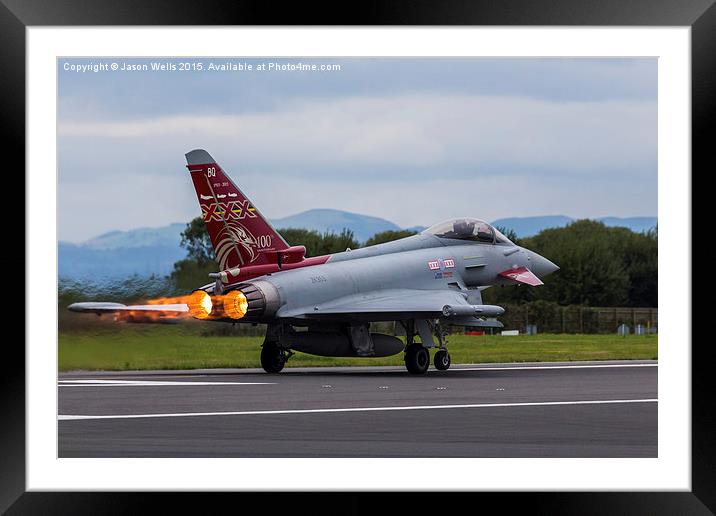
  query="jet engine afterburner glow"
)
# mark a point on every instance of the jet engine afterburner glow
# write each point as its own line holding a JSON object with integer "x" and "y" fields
{"x": 200, "y": 304}
{"x": 235, "y": 304}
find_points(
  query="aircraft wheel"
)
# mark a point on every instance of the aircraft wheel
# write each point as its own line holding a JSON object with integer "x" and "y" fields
{"x": 417, "y": 359}
{"x": 442, "y": 360}
{"x": 273, "y": 358}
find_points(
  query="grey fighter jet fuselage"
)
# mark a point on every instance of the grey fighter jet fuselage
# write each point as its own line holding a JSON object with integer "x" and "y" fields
{"x": 324, "y": 305}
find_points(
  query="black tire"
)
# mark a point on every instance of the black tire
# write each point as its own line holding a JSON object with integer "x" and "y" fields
{"x": 417, "y": 359}
{"x": 273, "y": 358}
{"x": 442, "y": 360}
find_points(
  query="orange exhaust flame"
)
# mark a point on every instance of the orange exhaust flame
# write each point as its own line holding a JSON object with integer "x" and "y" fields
{"x": 141, "y": 316}
{"x": 201, "y": 305}
{"x": 169, "y": 300}
{"x": 235, "y": 304}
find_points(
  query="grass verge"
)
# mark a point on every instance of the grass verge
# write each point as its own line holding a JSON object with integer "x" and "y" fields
{"x": 172, "y": 347}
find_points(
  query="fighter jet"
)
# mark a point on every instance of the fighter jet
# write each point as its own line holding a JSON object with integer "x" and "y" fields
{"x": 324, "y": 305}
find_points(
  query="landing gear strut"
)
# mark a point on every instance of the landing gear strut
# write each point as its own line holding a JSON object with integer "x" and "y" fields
{"x": 417, "y": 355}
{"x": 442, "y": 357}
{"x": 273, "y": 358}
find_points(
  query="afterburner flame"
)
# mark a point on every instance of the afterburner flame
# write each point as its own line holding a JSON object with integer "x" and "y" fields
{"x": 175, "y": 310}
{"x": 169, "y": 300}
{"x": 235, "y": 304}
{"x": 200, "y": 304}
{"x": 142, "y": 316}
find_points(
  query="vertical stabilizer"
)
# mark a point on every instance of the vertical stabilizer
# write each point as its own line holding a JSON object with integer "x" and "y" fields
{"x": 241, "y": 236}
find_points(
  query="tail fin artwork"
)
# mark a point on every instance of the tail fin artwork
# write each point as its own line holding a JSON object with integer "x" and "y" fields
{"x": 241, "y": 236}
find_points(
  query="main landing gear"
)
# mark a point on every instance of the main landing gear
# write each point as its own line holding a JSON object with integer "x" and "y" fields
{"x": 273, "y": 358}
{"x": 417, "y": 358}
{"x": 417, "y": 355}
{"x": 273, "y": 355}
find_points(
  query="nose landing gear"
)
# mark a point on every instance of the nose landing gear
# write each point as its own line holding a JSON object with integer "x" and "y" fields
{"x": 442, "y": 360}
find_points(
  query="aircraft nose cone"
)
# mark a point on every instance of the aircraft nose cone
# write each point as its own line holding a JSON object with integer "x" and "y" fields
{"x": 540, "y": 265}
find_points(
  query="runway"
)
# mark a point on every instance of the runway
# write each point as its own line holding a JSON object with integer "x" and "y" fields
{"x": 569, "y": 409}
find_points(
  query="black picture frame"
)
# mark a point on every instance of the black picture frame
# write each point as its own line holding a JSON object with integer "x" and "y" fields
{"x": 700, "y": 15}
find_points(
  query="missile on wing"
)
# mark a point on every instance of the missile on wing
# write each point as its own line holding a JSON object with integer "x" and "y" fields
{"x": 476, "y": 310}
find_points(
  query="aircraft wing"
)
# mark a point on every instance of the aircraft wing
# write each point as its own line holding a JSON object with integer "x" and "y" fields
{"x": 392, "y": 304}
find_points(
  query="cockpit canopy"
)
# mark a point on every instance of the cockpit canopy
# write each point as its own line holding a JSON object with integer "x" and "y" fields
{"x": 474, "y": 230}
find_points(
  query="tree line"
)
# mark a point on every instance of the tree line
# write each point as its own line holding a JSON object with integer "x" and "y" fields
{"x": 599, "y": 266}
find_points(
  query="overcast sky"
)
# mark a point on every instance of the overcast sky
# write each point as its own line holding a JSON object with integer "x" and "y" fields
{"x": 414, "y": 141}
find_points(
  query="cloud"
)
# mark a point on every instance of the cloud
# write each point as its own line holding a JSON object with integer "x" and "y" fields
{"x": 141, "y": 94}
{"x": 412, "y": 140}
{"x": 414, "y": 133}
{"x": 123, "y": 201}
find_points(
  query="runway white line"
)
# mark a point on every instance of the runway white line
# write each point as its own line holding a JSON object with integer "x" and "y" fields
{"x": 146, "y": 383}
{"x": 63, "y": 417}
{"x": 378, "y": 369}
{"x": 593, "y": 366}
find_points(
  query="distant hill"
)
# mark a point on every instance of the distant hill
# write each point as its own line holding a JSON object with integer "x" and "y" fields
{"x": 85, "y": 263}
{"x": 147, "y": 251}
{"x": 141, "y": 237}
{"x": 530, "y": 226}
{"x": 363, "y": 226}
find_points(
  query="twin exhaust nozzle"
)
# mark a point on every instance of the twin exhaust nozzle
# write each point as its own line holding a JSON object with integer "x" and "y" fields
{"x": 233, "y": 305}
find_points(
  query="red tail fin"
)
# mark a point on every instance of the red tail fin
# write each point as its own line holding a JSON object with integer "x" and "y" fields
{"x": 240, "y": 235}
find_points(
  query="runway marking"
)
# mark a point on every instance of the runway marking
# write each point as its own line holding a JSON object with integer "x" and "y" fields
{"x": 64, "y": 417}
{"x": 379, "y": 369}
{"x": 145, "y": 383}
{"x": 594, "y": 366}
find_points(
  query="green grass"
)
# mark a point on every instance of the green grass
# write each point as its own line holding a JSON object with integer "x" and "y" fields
{"x": 173, "y": 347}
